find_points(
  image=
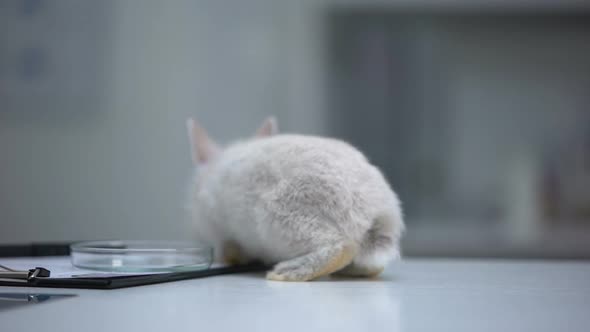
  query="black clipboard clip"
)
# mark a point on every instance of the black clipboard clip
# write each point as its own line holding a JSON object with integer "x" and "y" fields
{"x": 8, "y": 274}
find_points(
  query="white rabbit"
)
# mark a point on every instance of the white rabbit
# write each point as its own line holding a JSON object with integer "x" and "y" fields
{"x": 313, "y": 206}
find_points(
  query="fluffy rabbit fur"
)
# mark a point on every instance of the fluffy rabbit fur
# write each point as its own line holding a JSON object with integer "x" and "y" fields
{"x": 312, "y": 206}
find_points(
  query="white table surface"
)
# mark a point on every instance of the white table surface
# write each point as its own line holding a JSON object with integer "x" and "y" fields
{"x": 415, "y": 295}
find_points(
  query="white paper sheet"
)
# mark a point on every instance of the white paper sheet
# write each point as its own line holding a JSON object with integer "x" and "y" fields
{"x": 60, "y": 267}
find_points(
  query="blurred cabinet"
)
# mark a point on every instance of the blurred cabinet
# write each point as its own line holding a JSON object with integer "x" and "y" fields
{"x": 480, "y": 120}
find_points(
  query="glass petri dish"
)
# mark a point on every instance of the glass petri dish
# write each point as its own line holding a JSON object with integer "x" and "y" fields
{"x": 140, "y": 256}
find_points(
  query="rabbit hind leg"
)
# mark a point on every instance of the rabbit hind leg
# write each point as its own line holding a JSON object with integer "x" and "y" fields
{"x": 323, "y": 261}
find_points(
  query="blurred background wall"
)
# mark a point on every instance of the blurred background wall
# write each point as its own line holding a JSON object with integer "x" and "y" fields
{"x": 114, "y": 162}
{"x": 476, "y": 111}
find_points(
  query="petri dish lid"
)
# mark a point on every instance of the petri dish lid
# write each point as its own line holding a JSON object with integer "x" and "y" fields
{"x": 141, "y": 256}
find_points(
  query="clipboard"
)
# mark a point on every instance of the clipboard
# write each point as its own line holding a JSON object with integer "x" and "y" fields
{"x": 40, "y": 277}
{"x": 117, "y": 282}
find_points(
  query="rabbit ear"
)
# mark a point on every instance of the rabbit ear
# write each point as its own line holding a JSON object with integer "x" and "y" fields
{"x": 202, "y": 147}
{"x": 268, "y": 128}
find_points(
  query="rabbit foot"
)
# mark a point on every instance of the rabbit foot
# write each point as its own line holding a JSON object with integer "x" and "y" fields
{"x": 321, "y": 262}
